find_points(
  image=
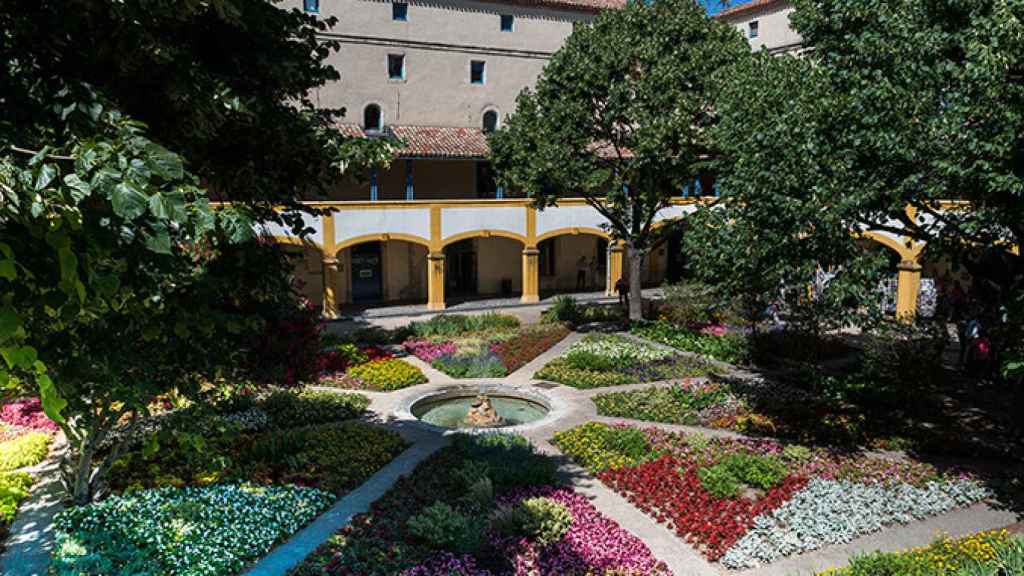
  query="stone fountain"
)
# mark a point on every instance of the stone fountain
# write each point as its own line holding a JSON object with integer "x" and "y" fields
{"x": 482, "y": 414}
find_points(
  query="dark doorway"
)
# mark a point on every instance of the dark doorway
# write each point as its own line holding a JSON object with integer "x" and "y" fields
{"x": 366, "y": 272}
{"x": 676, "y": 257}
{"x": 460, "y": 263}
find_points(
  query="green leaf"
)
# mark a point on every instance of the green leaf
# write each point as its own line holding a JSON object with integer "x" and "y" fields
{"x": 9, "y": 323}
{"x": 164, "y": 163}
{"x": 46, "y": 175}
{"x": 51, "y": 399}
{"x": 159, "y": 242}
{"x": 19, "y": 357}
{"x": 128, "y": 201}
{"x": 8, "y": 270}
{"x": 79, "y": 188}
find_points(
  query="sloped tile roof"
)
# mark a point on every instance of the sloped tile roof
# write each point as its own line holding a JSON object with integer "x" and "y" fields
{"x": 748, "y": 7}
{"x": 441, "y": 141}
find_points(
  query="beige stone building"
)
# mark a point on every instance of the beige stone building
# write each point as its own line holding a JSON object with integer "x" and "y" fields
{"x": 433, "y": 225}
{"x": 765, "y": 25}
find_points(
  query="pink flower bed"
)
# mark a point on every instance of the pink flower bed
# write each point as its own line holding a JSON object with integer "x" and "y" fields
{"x": 27, "y": 413}
{"x": 593, "y": 545}
{"x": 430, "y": 351}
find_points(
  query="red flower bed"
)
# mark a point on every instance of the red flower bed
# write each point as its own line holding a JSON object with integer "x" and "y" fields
{"x": 679, "y": 501}
{"x": 331, "y": 362}
{"x": 27, "y": 413}
{"x": 519, "y": 351}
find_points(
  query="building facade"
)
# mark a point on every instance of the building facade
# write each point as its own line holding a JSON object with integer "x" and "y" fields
{"x": 432, "y": 226}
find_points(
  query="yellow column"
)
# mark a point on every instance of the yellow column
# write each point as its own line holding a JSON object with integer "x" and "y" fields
{"x": 435, "y": 281}
{"x": 531, "y": 275}
{"x": 531, "y": 260}
{"x": 614, "y": 268}
{"x": 330, "y": 267}
{"x": 907, "y": 287}
{"x": 330, "y": 282}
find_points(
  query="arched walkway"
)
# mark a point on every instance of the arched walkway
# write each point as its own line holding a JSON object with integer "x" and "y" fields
{"x": 381, "y": 268}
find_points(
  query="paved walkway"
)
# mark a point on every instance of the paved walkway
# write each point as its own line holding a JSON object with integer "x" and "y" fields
{"x": 31, "y": 534}
{"x": 574, "y": 408}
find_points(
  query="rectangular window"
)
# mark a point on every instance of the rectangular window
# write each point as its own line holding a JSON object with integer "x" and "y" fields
{"x": 753, "y": 29}
{"x": 508, "y": 22}
{"x": 396, "y": 66}
{"x": 477, "y": 72}
{"x": 399, "y": 11}
{"x": 312, "y": 6}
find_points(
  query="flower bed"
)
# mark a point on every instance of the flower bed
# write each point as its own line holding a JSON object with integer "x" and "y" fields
{"x": 751, "y": 502}
{"x": 14, "y": 488}
{"x": 490, "y": 355}
{"x": 993, "y": 553}
{"x": 601, "y": 360}
{"x": 26, "y": 449}
{"x": 332, "y": 362}
{"x": 713, "y": 343}
{"x": 692, "y": 402}
{"x": 27, "y": 413}
{"x": 335, "y": 457}
{"x": 381, "y": 375}
{"x": 429, "y": 523}
{"x": 211, "y": 531}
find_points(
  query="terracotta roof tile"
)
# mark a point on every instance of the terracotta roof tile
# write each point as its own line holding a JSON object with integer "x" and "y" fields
{"x": 748, "y": 7}
{"x": 446, "y": 141}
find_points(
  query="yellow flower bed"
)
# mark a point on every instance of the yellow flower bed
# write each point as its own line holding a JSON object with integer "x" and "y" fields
{"x": 386, "y": 375}
{"x": 25, "y": 450}
{"x": 944, "y": 556}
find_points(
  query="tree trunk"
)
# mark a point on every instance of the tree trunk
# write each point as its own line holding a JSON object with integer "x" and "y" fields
{"x": 636, "y": 297}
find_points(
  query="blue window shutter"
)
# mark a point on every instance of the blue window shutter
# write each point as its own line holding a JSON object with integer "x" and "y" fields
{"x": 373, "y": 184}
{"x": 696, "y": 188}
{"x": 409, "y": 192}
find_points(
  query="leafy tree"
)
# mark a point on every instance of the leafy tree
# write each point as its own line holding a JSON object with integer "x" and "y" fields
{"x": 119, "y": 282}
{"x": 896, "y": 104}
{"x": 621, "y": 116}
{"x": 768, "y": 240}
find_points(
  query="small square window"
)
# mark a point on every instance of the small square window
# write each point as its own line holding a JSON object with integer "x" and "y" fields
{"x": 396, "y": 66}
{"x": 477, "y": 72}
{"x": 753, "y": 29}
{"x": 508, "y": 22}
{"x": 399, "y": 11}
{"x": 312, "y": 6}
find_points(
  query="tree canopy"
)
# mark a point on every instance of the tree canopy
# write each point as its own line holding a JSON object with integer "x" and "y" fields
{"x": 621, "y": 116}
{"x": 119, "y": 280}
{"x": 894, "y": 104}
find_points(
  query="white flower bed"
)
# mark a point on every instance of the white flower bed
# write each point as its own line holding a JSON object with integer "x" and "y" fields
{"x": 618, "y": 348}
{"x": 836, "y": 512}
{"x": 206, "y": 531}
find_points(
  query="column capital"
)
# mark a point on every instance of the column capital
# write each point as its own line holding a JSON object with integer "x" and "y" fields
{"x": 531, "y": 251}
{"x": 908, "y": 266}
{"x": 435, "y": 256}
{"x": 330, "y": 262}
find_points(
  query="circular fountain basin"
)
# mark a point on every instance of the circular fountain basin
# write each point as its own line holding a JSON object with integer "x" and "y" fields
{"x": 448, "y": 408}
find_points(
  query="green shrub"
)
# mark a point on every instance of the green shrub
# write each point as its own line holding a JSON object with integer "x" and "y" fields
{"x": 287, "y": 409}
{"x": 493, "y": 453}
{"x": 351, "y": 353}
{"x": 719, "y": 481}
{"x": 688, "y": 303}
{"x": 25, "y": 450}
{"x": 541, "y": 519}
{"x": 585, "y": 360}
{"x": 14, "y": 487}
{"x": 444, "y": 528}
{"x": 724, "y": 479}
{"x": 563, "y": 309}
{"x": 796, "y": 453}
{"x": 386, "y": 375}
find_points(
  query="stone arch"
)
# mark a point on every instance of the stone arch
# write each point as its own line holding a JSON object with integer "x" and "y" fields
{"x": 381, "y": 237}
{"x": 483, "y": 233}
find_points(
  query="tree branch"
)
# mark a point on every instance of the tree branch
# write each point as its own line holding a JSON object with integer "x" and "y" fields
{"x": 28, "y": 152}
